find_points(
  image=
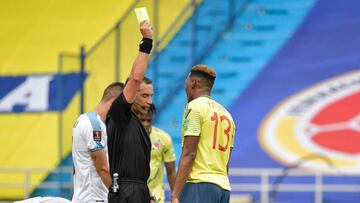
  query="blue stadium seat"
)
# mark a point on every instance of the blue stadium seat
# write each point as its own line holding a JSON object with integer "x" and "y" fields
{"x": 239, "y": 55}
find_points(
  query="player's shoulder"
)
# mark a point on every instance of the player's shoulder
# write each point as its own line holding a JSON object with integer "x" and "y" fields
{"x": 83, "y": 117}
{"x": 216, "y": 105}
{"x": 197, "y": 103}
{"x": 82, "y": 122}
{"x": 198, "y": 100}
{"x": 160, "y": 133}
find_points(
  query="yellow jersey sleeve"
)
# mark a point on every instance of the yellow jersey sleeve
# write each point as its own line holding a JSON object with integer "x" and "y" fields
{"x": 168, "y": 152}
{"x": 192, "y": 120}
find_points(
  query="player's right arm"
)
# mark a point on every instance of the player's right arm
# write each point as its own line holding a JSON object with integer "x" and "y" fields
{"x": 100, "y": 164}
{"x": 140, "y": 64}
{"x": 187, "y": 159}
{"x": 171, "y": 173}
{"x": 191, "y": 132}
{"x": 95, "y": 142}
{"x": 169, "y": 159}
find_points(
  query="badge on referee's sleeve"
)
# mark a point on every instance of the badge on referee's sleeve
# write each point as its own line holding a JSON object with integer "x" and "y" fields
{"x": 97, "y": 135}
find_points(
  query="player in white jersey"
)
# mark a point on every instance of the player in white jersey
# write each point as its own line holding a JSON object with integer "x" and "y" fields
{"x": 89, "y": 151}
{"x": 44, "y": 200}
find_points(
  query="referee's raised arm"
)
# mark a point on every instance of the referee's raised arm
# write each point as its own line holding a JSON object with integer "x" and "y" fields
{"x": 140, "y": 64}
{"x": 136, "y": 76}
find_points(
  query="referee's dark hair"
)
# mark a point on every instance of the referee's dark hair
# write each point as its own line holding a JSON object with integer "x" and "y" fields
{"x": 204, "y": 73}
{"x": 113, "y": 90}
{"x": 147, "y": 80}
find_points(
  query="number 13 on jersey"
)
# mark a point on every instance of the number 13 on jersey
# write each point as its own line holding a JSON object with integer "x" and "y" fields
{"x": 225, "y": 125}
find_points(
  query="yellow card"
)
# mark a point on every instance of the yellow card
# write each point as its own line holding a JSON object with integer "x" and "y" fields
{"x": 141, "y": 14}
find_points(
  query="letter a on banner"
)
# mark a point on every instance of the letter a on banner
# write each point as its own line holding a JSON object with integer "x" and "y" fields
{"x": 32, "y": 94}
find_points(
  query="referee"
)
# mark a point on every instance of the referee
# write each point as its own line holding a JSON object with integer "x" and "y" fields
{"x": 129, "y": 145}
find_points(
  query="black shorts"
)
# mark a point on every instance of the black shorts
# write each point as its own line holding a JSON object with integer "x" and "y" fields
{"x": 130, "y": 192}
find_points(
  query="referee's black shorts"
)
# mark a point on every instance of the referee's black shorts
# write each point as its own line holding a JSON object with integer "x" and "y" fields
{"x": 130, "y": 192}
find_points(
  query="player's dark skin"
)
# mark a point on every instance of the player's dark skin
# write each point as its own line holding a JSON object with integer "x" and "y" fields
{"x": 195, "y": 87}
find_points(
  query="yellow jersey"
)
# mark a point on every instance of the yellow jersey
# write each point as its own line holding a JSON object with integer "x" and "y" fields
{"x": 161, "y": 151}
{"x": 208, "y": 119}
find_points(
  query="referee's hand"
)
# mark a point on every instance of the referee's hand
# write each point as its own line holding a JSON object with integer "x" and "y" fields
{"x": 174, "y": 200}
{"x": 146, "y": 29}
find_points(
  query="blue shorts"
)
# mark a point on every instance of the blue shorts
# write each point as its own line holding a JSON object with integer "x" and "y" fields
{"x": 204, "y": 192}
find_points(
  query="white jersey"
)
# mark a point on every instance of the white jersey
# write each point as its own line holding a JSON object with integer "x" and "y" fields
{"x": 89, "y": 134}
{"x": 44, "y": 200}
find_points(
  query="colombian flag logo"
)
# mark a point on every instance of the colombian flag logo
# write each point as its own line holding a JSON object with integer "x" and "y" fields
{"x": 322, "y": 122}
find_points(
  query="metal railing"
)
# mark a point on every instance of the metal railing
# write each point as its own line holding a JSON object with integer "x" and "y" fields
{"x": 79, "y": 62}
{"x": 116, "y": 37}
{"x": 264, "y": 186}
{"x": 27, "y": 185}
{"x": 111, "y": 42}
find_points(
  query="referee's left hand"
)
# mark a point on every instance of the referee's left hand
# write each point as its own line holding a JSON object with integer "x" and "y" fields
{"x": 146, "y": 29}
{"x": 152, "y": 199}
{"x": 174, "y": 200}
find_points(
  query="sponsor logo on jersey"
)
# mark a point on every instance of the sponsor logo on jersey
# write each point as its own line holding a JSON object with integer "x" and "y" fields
{"x": 157, "y": 145}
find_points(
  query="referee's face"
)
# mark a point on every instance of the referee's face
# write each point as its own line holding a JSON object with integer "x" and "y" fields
{"x": 143, "y": 99}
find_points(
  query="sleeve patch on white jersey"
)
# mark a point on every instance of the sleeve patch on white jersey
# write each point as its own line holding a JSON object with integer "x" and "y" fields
{"x": 97, "y": 135}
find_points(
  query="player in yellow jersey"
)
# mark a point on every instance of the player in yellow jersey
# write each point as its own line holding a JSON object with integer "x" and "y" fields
{"x": 162, "y": 151}
{"x": 208, "y": 138}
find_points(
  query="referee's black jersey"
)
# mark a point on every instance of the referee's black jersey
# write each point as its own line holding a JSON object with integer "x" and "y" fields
{"x": 129, "y": 145}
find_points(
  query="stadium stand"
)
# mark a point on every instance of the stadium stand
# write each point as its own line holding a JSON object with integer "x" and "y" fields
{"x": 269, "y": 55}
{"x": 239, "y": 54}
{"x": 117, "y": 43}
{"x": 318, "y": 57}
{"x": 44, "y": 138}
{"x": 32, "y": 35}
